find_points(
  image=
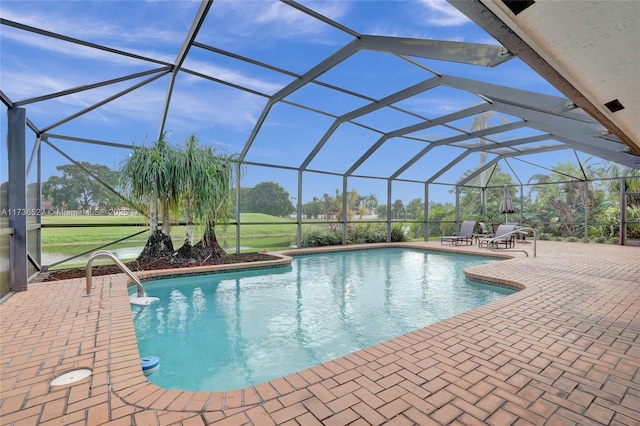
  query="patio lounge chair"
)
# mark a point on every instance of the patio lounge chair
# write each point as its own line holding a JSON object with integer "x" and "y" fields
{"x": 517, "y": 225}
{"x": 500, "y": 238}
{"x": 463, "y": 236}
{"x": 484, "y": 232}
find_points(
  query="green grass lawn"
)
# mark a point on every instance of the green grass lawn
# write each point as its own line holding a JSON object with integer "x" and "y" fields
{"x": 91, "y": 220}
{"x": 73, "y": 232}
{"x": 78, "y": 234}
{"x": 98, "y": 230}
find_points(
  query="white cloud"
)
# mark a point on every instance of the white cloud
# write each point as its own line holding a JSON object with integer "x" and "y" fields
{"x": 216, "y": 108}
{"x": 425, "y": 19}
{"x": 72, "y": 50}
{"x": 97, "y": 28}
{"x": 76, "y": 65}
{"x": 434, "y": 105}
{"x": 131, "y": 106}
{"x": 276, "y": 18}
{"x": 280, "y": 13}
{"x": 232, "y": 76}
{"x": 442, "y": 14}
{"x": 209, "y": 108}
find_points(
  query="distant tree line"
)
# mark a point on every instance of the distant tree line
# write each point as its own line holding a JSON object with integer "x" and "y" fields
{"x": 268, "y": 198}
{"x": 82, "y": 186}
{"x": 553, "y": 199}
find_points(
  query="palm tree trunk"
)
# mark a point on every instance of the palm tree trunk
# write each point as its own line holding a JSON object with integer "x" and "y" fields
{"x": 153, "y": 216}
{"x": 189, "y": 219}
{"x": 166, "y": 223}
{"x": 188, "y": 251}
{"x": 209, "y": 245}
{"x": 159, "y": 245}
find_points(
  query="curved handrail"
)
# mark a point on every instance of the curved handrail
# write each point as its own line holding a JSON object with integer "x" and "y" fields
{"x": 516, "y": 231}
{"x": 109, "y": 255}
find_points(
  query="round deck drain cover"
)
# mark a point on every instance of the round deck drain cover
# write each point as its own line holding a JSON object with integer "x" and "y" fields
{"x": 71, "y": 377}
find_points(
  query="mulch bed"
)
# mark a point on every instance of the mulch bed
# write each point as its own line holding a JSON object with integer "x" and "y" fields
{"x": 97, "y": 270}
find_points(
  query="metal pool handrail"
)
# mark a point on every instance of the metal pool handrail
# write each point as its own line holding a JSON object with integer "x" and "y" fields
{"x": 109, "y": 255}
{"x": 516, "y": 231}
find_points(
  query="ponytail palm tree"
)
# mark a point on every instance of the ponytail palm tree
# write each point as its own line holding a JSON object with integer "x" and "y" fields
{"x": 191, "y": 175}
{"x": 148, "y": 178}
{"x": 205, "y": 178}
{"x": 219, "y": 203}
{"x": 138, "y": 191}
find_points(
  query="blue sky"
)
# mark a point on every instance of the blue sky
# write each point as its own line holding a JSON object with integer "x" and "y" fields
{"x": 266, "y": 31}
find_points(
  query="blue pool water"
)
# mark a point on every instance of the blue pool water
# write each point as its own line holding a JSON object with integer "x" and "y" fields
{"x": 232, "y": 330}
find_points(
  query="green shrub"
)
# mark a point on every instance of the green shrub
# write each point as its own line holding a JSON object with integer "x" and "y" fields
{"x": 377, "y": 234}
{"x": 447, "y": 228}
{"x": 358, "y": 234}
{"x": 543, "y": 236}
{"x": 633, "y": 231}
{"x": 317, "y": 237}
{"x": 595, "y": 232}
{"x": 397, "y": 233}
{"x": 572, "y": 239}
{"x": 600, "y": 240}
{"x": 416, "y": 230}
{"x": 367, "y": 233}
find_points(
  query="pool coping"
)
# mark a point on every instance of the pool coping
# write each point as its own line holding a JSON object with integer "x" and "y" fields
{"x": 132, "y": 387}
{"x": 286, "y": 257}
{"x": 565, "y": 350}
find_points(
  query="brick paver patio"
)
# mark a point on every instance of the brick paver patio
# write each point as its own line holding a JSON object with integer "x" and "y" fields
{"x": 564, "y": 350}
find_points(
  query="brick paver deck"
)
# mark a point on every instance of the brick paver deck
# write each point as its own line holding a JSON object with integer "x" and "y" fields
{"x": 565, "y": 350}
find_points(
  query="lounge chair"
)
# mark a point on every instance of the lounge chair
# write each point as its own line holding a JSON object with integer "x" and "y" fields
{"x": 484, "y": 232}
{"x": 463, "y": 236}
{"x": 500, "y": 238}
{"x": 517, "y": 225}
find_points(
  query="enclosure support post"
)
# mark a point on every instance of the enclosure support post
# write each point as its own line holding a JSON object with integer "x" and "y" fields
{"x": 586, "y": 211}
{"x": 623, "y": 211}
{"x": 426, "y": 211}
{"x": 39, "y": 207}
{"x": 389, "y": 210}
{"x": 299, "y": 215}
{"x": 457, "y": 206}
{"x": 238, "y": 208}
{"x": 521, "y": 205}
{"x": 345, "y": 200}
{"x": 17, "y": 203}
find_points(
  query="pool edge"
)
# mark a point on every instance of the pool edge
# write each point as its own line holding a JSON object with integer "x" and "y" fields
{"x": 137, "y": 389}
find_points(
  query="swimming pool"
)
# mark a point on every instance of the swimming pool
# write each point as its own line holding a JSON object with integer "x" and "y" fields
{"x": 232, "y": 330}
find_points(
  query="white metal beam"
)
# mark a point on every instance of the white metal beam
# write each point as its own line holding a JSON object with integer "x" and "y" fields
{"x": 201, "y": 14}
{"x": 452, "y": 51}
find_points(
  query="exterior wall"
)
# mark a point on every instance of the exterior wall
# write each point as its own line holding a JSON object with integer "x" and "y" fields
{"x": 4, "y": 220}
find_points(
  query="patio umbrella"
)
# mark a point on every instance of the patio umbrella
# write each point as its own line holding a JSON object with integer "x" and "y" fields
{"x": 506, "y": 206}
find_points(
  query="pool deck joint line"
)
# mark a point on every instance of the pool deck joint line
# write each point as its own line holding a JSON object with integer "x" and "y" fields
{"x": 565, "y": 350}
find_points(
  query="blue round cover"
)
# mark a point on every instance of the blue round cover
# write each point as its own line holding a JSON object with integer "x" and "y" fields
{"x": 149, "y": 362}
